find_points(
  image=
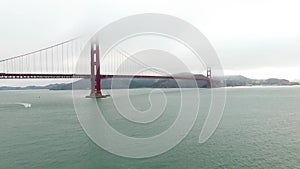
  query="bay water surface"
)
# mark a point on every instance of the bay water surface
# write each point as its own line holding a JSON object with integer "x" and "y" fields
{"x": 260, "y": 128}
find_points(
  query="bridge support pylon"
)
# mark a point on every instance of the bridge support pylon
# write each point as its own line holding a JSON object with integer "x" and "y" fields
{"x": 95, "y": 72}
{"x": 209, "y": 85}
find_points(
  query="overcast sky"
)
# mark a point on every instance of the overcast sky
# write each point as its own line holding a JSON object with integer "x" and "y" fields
{"x": 255, "y": 38}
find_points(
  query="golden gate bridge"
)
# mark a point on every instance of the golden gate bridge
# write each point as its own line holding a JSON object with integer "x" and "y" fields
{"x": 59, "y": 61}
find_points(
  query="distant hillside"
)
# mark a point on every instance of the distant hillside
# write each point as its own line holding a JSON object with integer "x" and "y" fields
{"x": 139, "y": 83}
{"x": 126, "y": 83}
{"x": 244, "y": 81}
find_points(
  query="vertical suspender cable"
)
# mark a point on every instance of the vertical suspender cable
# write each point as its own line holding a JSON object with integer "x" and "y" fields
{"x": 12, "y": 63}
{"x": 62, "y": 57}
{"x": 41, "y": 66}
{"x": 57, "y": 59}
{"x": 110, "y": 63}
{"x": 28, "y": 63}
{"x": 72, "y": 56}
{"x": 67, "y": 58}
{"x": 52, "y": 67}
{"x": 19, "y": 67}
{"x": 34, "y": 64}
{"x": 46, "y": 60}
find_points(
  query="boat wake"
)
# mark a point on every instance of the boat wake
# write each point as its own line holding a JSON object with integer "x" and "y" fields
{"x": 25, "y": 105}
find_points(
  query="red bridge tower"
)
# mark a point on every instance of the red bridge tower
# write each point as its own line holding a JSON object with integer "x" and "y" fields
{"x": 95, "y": 71}
{"x": 209, "y": 85}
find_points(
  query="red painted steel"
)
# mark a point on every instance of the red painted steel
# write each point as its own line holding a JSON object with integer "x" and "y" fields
{"x": 95, "y": 70}
{"x": 209, "y": 84}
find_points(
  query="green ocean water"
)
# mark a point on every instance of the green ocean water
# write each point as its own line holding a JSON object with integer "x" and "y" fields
{"x": 260, "y": 128}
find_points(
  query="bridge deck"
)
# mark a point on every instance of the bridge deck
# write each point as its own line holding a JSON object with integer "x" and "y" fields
{"x": 66, "y": 76}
